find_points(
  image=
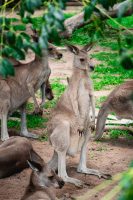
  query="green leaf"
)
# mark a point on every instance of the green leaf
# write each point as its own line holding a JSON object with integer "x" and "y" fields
{"x": 43, "y": 42}
{"x": 32, "y": 5}
{"x": 25, "y": 20}
{"x": 89, "y": 9}
{"x": 22, "y": 8}
{"x": 10, "y": 37}
{"x": 36, "y": 48}
{"x": 62, "y": 3}
{"x": 6, "y": 68}
{"x": 18, "y": 53}
{"x": 55, "y": 36}
{"x": 58, "y": 15}
{"x": 19, "y": 27}
{"x": 25, "y": 36}
{"x": 19, "y": 42}
{"x": 13, "y": 52}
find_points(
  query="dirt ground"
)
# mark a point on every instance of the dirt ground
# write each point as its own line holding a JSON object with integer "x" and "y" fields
{"x": 110, "y": 156}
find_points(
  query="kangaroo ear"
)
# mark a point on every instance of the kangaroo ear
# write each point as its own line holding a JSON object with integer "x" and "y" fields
{"x": 34, "y": 35}
{"x": 68, "y": 80}
{"x": 36, "y": 161}
{"x": 34, "y": 166}
{"x": 73, "y": 49}
{"x": 88, "y": 47}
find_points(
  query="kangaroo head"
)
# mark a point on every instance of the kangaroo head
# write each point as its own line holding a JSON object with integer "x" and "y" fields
{"x": 53, "y": 52}
{"x": 48, "y": 91}
{"x": 81, "y": 59}
{"x": 42, "y": 177}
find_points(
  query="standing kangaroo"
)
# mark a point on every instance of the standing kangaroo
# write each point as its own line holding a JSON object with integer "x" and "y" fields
{"x": 72, "y": 115}
{"x": 42, "y": 182}
{"x": 15, "y": 91}
{"x": 119, "y": 101}
{"x": 46, "y": 90}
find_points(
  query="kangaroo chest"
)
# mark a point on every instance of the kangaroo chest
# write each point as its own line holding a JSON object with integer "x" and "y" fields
{"x": 84, "y": 96}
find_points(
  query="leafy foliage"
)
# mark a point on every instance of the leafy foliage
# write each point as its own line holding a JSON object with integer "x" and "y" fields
{"x": 15, "y": 42}
{"x": 92, "y": 9}
{"x": 127, "y": 185}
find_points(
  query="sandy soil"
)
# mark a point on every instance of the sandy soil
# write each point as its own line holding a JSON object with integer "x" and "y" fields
{"x": 110, "y": 156}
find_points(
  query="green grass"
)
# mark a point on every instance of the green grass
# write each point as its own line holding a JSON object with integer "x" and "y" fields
{"x": 33, "y": 122}
{"x": 115, "y": 134}
{"x": 83, "y": 35}
{"x": 99, "y": 101}
{"x": 109, "y": 72}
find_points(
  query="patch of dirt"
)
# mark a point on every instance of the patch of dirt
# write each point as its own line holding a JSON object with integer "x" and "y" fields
{"x": 109, "y": 156}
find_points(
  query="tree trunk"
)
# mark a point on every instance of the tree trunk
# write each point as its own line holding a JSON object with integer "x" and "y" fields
{"x": 77, "y": 21}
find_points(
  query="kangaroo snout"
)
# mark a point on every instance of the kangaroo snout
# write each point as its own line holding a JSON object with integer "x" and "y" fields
{"x": 49, "y": 94}
{"x": 92, "y": 67}
{"x": 61, "y": 183}
{"x": 60, "y": 55}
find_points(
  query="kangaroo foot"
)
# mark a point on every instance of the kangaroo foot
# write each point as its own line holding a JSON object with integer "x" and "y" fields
{"x": 94, "y": 172}
{"x": 29, "y": 135}
{"x": 3, "y": 138}
{"x": 74, "y": 181}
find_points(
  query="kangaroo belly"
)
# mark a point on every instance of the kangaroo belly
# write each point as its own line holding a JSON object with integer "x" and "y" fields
{"x": 19, "y": 95}
{"x": 84, "y": 99}
{"x": 76, "y": 143}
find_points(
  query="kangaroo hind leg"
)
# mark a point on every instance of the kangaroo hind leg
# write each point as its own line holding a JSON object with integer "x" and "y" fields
{"x": 60, "y": 140}
{"x": 82, "y": 168}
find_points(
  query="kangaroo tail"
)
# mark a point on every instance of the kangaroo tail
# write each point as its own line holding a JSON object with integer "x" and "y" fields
{"x": 101, "y": 119}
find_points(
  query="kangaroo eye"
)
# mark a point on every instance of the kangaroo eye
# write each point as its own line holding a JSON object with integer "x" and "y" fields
{"x": 50, "y": 49}
{"x": 51, "y": 177}
{"x": 82, "y": 59}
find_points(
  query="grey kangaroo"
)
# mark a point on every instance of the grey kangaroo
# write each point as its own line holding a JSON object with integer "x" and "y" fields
{"x": 70, "y": 125}
{"x": 42, "y": 182}
{"x": 46, "y": 90}
{"x": 15, "y": 91}
{"x": 119, "y": 101}
{"x": 14, "y": 154}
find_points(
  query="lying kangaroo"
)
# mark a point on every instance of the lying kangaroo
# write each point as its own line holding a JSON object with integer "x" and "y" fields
{"x": 119, "y": 101}
{"x": 14, "y": 154}
{"x": 72, "y": 115}
{"x": 42, "y": 183}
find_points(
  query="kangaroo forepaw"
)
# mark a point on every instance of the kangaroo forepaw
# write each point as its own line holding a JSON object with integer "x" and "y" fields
{"x": 29, "y": 135}
{"x": 38, "y": 112}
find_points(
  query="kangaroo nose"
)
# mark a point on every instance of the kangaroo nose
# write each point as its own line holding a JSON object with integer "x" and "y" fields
{"x": 61, "y": 183}
{"x": 60, "y": 55}
{"x": 92, "y": 67}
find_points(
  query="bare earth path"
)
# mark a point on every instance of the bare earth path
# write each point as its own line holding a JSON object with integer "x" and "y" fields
{"x": 110, "y": 156}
